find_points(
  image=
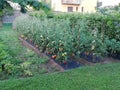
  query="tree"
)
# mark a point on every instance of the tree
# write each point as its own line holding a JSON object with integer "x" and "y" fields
{"x": 5, "y": 6}
{"x": 110, "y": 10}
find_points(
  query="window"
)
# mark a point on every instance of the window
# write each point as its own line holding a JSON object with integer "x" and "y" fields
{"x": 70, "y": 9}
{"x": 82, "y": 9}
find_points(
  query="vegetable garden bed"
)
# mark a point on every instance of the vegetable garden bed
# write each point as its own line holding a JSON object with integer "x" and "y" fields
{"x": 64, "y": 38}
{"x": 72, "y": 62}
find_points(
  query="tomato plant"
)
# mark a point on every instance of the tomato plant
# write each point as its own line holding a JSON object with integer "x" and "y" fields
{"x": 71, "y": 34}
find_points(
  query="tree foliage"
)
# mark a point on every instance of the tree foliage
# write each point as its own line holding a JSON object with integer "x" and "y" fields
{"x": 110, "y": 10}
{"x": 5, "y": 5}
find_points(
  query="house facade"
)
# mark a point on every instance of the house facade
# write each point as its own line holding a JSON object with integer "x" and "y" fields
{"x": 84, "y": 6}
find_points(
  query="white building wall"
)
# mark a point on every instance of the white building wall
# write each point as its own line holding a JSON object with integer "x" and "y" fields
{"x": 56, "y": 5}
{"x": 88, "y": 5}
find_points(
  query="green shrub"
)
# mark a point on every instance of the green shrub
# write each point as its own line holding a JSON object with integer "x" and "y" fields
{"x": 5, "y": 59}
{"x": 7, "y": 63}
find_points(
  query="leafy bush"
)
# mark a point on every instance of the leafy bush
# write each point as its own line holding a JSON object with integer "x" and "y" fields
{"x": 5, "y": 63}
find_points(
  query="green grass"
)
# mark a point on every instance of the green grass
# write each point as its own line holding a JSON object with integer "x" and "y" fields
{"x": 99, "y": 77}
{"x": 9, "y": 37}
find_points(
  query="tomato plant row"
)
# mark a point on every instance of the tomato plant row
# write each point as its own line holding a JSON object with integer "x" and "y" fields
{"x": 65, "y": 38}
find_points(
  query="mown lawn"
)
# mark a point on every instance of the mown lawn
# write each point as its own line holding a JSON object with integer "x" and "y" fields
{"x": 98, "y": 77}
